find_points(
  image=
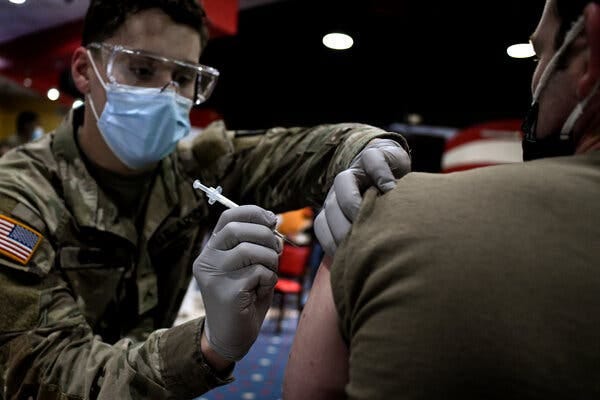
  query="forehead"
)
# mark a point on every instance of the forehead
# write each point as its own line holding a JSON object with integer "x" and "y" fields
{"x": 548, "y": 25}
{"x": 154, "y": 31}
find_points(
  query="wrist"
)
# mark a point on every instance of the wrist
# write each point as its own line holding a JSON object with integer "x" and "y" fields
{"x": 185, "y": 371}
{"x": 212, "y": 358}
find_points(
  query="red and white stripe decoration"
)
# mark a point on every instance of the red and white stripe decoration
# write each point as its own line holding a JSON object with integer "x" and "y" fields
{"x": 497, "y": 142}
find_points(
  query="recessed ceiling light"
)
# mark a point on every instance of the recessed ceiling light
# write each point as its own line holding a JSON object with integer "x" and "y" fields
{"x": 414, "y": 119}
{"x": 53, "y": 94}
{"x": 17, "y": 1}
{"x": 521, "y": 50}
{"x": 337, "y": 41}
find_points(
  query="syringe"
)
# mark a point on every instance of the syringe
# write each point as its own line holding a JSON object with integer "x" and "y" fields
{"x": 214, "y": 195}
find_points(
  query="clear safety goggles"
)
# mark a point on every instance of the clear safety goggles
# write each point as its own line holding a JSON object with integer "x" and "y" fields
{"x": 138, "y": 68}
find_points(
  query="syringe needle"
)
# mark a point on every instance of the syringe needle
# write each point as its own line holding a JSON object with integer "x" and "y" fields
{"x": 214, "y": 194}
{"x": 284, "y": 238}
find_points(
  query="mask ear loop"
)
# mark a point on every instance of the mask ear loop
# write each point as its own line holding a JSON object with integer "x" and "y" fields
{"x": 569, "y": 38}
{"x": 577, "y": 113}
{"x": 95, "y": 68}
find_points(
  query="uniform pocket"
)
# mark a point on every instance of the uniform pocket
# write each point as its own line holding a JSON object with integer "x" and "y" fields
{"x": 94, "y": 275}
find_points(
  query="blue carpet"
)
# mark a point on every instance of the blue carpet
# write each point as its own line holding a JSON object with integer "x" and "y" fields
{"x": 260, "y": 374}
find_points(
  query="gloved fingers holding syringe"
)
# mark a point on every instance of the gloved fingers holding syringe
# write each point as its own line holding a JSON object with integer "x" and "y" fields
{"x": 236, "y": 272}
{"x": 248, "y": 226}
{"x": 214, "y": 195}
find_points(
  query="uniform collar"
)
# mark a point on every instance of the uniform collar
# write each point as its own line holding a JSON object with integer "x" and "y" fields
{"x": 90, "y": 206}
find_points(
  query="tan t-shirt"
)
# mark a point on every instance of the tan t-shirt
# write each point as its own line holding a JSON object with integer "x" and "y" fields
{"x": 481, "y": 284}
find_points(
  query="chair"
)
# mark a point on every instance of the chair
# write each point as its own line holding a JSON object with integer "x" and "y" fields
{"x": 292, "y": 267}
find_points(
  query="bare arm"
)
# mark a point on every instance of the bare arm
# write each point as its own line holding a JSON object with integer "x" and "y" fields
{"x": 318, "y": 363}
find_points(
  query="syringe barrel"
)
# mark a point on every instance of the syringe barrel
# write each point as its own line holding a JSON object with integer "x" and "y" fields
{"x": 225, "y": 201}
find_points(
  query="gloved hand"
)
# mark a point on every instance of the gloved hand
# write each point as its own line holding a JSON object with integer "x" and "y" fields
{"x": 236, "y": 272}
{"x": 379, "y": 164}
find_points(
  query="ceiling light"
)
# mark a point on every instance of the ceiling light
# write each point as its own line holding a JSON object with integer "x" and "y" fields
{"x": 521, "y": 50}
{"x": 17, "y": 1}
{"x": 414, "y": 119}
{"x": 337, "y": 41}
{"x": 53, "y": 94}
{"x": 77, "y": 103}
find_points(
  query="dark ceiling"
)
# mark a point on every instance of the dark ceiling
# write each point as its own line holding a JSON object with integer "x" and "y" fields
{"x": 444, "y": 60}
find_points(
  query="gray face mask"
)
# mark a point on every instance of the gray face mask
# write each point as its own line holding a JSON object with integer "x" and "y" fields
{"x": 560, "y": 143}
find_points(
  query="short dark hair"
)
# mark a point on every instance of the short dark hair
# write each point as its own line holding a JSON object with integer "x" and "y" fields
{"x": 104, "y": 17}
{"x": 24, "y": 118}
{"x": 568, "y": 12}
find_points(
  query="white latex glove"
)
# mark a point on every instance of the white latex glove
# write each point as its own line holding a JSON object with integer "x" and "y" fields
{"x": 236, "y": 272}
{"x": 379, "y": 164}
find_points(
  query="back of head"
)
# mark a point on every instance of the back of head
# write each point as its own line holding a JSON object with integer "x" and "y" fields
{"x": 105, "y": 17}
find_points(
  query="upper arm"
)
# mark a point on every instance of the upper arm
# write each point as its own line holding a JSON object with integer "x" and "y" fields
{"x": 318, "y": 364}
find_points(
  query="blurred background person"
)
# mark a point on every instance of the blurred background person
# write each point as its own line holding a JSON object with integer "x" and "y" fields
{"x": 28, "y": 128}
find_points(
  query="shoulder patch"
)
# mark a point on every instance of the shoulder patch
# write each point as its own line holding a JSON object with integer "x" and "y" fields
{"x": 18, "y": 241}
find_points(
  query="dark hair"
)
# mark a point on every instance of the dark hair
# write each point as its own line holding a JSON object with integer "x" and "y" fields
{"x": 104, "y": 17}
{"x": 568, "y": 12}
{"x": 24, "y": 118}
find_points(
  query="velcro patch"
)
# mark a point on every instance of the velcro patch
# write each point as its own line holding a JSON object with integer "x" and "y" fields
{"x": 18, "y": 241}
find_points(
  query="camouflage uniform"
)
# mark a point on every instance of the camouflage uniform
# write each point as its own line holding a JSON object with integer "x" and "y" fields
{"x": 82, "y": 317}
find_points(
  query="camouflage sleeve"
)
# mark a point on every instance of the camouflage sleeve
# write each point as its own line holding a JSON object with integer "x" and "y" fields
{"x": 48, "y": 351}
{"x": 270, "y": 168}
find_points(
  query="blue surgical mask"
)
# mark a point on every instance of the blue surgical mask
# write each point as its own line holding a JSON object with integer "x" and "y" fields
{"x": 141, "y": 126}
{"x": 38, "y": 132}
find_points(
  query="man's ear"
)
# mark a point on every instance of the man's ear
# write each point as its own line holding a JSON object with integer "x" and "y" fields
{"x": 80, "y": 69}
{"x": 592, "y": 32}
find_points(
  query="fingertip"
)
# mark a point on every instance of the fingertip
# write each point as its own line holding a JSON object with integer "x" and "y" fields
{"x": 387, "y": 186}
{"x": 322, "y": 232}
{"x": 330, "y": 250}
{"x": 272, "y": 217}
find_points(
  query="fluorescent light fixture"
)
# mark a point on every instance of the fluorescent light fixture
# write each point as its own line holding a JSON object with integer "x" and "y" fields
{"x": 521, "y": 50}
{"x": 17, "y": 1}
{"x": 77, "y": 103}
{"x": 53, "y": 94}
{"x": 337, "y": 41}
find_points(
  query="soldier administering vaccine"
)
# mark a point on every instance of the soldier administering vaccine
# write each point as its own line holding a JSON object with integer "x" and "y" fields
{"x": 101, "y": 229}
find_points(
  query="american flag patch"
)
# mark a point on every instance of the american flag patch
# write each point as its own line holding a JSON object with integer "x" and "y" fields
{"x": 17, "y": 241}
